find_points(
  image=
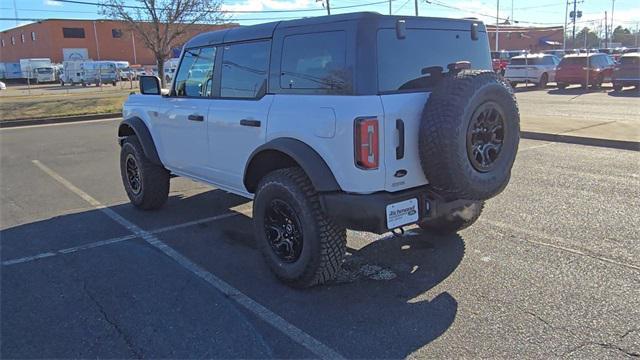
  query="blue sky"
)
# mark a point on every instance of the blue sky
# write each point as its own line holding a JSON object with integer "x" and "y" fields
{"x": 527, "y": 12}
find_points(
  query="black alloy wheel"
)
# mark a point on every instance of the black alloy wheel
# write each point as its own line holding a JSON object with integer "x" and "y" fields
{"x": 133, "y": 174}
{"x": 283, "y": 231}
{"x": 485, "y": 136}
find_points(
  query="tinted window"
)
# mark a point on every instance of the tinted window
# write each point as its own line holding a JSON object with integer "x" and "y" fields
{"x": 195, "y": 76}
{"x": 77, "y": 33}
{"x": 244, "y": 70}
{"x": 517, "y": 62}
{"x": 315, "y": 61}
{"x": 116, "y": 33}
{"x": 573, "y": 61}
{"x": 413, "y": 63}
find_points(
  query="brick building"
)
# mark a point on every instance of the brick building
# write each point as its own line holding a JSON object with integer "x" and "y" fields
{"x": 60, "y": 39}
{"x": 525, "y": 38}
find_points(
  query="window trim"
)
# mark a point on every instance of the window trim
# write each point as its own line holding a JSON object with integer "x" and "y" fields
{"x": 22, "y": 38}
{"x": 2, "y": 42}
{"x": 218, "y": 78}
{"x": 33, "y": 36}
{"x": 13, "y": 40}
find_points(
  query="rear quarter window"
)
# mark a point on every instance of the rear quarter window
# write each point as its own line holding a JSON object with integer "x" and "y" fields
{"x": 401, "y": 61}
{"x": 315, "y": 61}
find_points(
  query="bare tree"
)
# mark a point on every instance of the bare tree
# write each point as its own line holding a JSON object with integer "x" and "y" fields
{"x": 163, "y": 24}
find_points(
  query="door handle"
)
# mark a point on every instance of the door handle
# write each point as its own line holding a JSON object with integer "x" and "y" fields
{"x": 247, "y": 122}
{"x": 194, "y": 117}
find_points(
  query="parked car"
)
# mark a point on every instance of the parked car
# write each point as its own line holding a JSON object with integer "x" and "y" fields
{"x": 584, "y": 69}
{"x": 558, "y": 53}
{"x": 499, "y": 61}
{"x": 353, "y": 121}
{"x": 3, "y": 86}
{"x": 532, "y": 68}
{"x": 627, "y": 72}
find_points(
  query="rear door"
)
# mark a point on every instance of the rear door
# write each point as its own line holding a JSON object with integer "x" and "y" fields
{"x": 237, "y": 117}
{"x": 405, "y": 86}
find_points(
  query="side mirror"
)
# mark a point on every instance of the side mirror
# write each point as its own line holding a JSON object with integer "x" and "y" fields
{"x": 150, "y": 85}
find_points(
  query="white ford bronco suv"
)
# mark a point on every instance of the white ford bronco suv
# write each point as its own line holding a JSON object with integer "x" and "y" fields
{"x": 356, "y": 121}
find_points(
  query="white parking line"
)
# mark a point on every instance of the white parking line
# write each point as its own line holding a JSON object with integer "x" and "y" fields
{"x": 115, "y": 240}
{"x": 290, "y": 330}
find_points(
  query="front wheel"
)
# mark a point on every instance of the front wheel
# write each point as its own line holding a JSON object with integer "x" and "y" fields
{"x": 617, "y": 87}
{"x": 562, "y": 86}
{"x": 454, "y": 221}
{"x": 299, "y": 242}
{"x": 146, "y": 183}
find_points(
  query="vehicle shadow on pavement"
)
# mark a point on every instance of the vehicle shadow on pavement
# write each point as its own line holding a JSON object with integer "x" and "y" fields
{"x": 632, "y": 92}
{"x": 382, "y": 304}
{"x": 576, "y": 90}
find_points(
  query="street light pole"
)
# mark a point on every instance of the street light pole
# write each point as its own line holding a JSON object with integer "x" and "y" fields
{"x": 564, "y": 32}
{"x": 416, "y": 6}
{"x": 497, "y": 21}
{"x": 613, "y": 5}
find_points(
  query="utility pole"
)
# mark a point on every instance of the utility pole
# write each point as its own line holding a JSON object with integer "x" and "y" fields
{"x": 328, "y": 8}
{"x": 416, "y": 6}
{"x": 573, "y": 35}
{"x": 564, "y": 30}
{"x": 15, "y": 11}
{"x": 613, "y": 5}
{"x": 497, "y": 21}
{"x": 512, "y": 12}
{"x": 389, "y": 7}
{"x": 606, "y": 31}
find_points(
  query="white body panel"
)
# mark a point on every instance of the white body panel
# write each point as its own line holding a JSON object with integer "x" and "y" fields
{"x": 28, "y": 66}
{"x": 310, "y": 118}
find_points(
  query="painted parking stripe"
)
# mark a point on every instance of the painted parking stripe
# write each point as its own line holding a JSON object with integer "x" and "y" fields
{"x": 116, "y": 240}
{"x": 294, "y": 333}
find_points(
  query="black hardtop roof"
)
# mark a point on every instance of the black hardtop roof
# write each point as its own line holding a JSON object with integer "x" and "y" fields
{"x": 266, "y": 30}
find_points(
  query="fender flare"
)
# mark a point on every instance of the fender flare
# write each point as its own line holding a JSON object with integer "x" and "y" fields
{"x": 309, "y": 160}
{"x": 141, "y": 131}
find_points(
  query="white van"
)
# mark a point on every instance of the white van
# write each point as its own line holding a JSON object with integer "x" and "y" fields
{"x": 532, "y": 68}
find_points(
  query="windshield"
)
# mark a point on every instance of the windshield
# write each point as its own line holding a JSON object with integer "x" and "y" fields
{"x": 44, "y": 70}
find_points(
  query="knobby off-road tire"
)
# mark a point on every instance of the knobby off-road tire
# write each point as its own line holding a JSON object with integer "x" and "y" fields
{"x": 151, "y": 189}
{"x": 323, "y": 244}
{"x": 455, "y": 221}
{"x": 449, "y": 137}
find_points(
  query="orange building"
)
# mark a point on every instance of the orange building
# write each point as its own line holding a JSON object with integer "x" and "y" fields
{"x": 60, "y": 40}
{"x": 525, "y": 38}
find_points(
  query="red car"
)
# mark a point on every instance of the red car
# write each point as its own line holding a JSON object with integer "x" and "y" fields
{"x": 584, "y": 69}
{"x": 627, "y": 72}
{"x": 499, "y": 61}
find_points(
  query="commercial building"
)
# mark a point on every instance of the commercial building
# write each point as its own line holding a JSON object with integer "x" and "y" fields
{"x": 525, "y": 38}
{"x": 60, "y": 39}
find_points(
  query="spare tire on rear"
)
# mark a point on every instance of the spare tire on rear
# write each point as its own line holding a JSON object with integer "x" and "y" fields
{"x": 469, "y": 134}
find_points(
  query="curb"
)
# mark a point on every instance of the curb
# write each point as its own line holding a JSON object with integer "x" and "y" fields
{"x": 607, "y": 143}
{"x": 57, "y": 120}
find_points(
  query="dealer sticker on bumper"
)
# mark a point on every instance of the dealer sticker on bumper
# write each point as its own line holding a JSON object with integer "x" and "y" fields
{"x": 402, "y": 213}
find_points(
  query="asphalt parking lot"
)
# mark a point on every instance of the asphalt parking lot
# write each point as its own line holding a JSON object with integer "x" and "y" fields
{"x": 550, "y": 270}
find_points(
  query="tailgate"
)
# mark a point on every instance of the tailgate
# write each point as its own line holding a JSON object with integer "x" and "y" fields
{"x": 403, "y": 110}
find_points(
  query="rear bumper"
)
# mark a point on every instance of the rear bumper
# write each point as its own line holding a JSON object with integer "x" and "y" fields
{"x": 368, "y": 212}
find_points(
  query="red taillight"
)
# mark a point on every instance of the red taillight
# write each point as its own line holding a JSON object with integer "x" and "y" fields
{"x": 366, "y": 143}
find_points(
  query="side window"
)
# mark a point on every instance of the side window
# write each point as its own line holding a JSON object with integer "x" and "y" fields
{"x": 195, "y": 76}
{"x": 244, "y": 70}
{"x": 315, "y": 61}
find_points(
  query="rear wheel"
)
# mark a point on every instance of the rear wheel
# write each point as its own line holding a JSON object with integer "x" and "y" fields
{"x": 301, "y": 244}
{"x": 146, "y": 183}
{"x": 597, "y": 84}
{"x": 454, "y": 221}
{"x": 544, "y": 79}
